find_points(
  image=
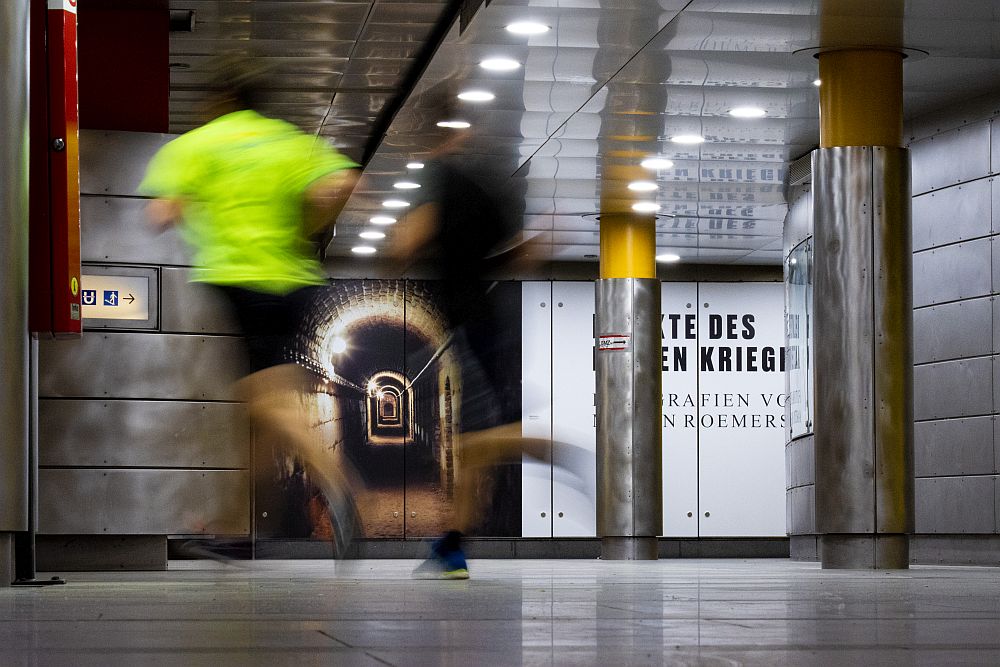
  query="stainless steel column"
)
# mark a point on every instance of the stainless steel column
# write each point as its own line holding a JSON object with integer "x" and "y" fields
{"x": 629, "y": 452}
{"x": 13, "y": 275}
{"x": 864, "y": 366}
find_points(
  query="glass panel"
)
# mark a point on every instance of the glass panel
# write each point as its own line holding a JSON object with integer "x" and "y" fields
{"x": 799, "y": 339}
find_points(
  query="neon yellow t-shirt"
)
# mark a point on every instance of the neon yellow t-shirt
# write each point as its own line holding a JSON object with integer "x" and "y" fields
{"x": 242, "y": 179}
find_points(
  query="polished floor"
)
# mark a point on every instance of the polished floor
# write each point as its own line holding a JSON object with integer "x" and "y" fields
{"x": 569, "y": 612}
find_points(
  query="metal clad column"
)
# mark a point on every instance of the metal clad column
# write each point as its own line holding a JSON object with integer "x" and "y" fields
{"x": 629, "y": 450}
{"x": 863, "y": 303}
{"x": 13, "y": 276}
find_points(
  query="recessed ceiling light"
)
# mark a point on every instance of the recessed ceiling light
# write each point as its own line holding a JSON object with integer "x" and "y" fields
{"x": 668, "y": 257}
{"x": 405, "y": 185}
{"x": 645, "y": 207}
{"x": 414, "y": 165}
{"x": 395, "y": 203}
{"x": 363, "y": 250}
{"x": 500, "y": 64}
{"x": 642, "y": 186}
{"x": 372, "y": 236}
{"x": 817, "y": 82}
{"x": 527, "y": 28}
{"x": 687, "y": 139}
{"x": 747, "y": 112}
{"x": 656, "y": 163}
{"x": 476, "y": 96}
{"x": 454, "y": 124}
{"x": 382, "y": 220}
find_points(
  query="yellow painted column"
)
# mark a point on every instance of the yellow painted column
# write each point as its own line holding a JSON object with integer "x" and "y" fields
{"x": 861, "y": 98}
{"x": 628, "y": 245}
{"x": 628, "y": 238}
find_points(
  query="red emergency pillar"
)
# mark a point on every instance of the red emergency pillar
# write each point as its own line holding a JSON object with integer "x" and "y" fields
{"x": 55, "y": 172}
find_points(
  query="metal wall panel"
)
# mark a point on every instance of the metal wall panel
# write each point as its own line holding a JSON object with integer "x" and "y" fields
{"x": 954, "y": 447}
{"x": 994, "y": 144}
{"x": 801, "y": 456}
{"x": 953, "y": 331}
{"x": 953, "y": 389}
{"x": 113, "y": 163}
{"x": 111, "y": 501}
{"x": 953, "y": 214}
{"x": 952, "y": 273}
{"x": 13, "y": 268}
{"x": 951, "y": 157}
{"x": 802, "y": 514}
{"x": 138, "y": 365}
{"x": 143, "y": 434}
{"x": 114, "y": 230}
{"x": 192, "y": 307}
{"x": 955, "y": 505}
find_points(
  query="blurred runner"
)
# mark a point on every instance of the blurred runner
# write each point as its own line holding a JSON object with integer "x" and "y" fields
{"x": 252, "y": 194}
{"x": 463, "y": 225}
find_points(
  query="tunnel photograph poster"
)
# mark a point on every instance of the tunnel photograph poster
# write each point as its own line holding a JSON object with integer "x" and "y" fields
{"x": 396, "y": 389}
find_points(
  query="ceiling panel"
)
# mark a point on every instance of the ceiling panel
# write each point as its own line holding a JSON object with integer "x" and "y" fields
{"x": 611, "y": 82}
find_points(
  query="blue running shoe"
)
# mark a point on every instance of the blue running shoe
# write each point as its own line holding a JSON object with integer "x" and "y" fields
{"x": 447, "y": 559}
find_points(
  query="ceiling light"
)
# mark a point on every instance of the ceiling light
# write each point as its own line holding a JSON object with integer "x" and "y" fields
{"x": 817, "y": 82}
{"x": 372, "y": 236}
{"x": 414, "y": 165}
{"x": 338, "y": 345}
{"x": 642, "y": 186}
{"x": 656, "y": 163}
{"x": 405, "y": 185}
{"x": 687, "y": 139}
{"x": 747, "y": 112}
{"x": 454, "y": 124}
{"x": 527, "y": 28}
{"x": 668, "y": 257}
{"x": 476, "y": 96}
{"x": 395, "y": 203}
{"x": 363, "y": 250}
{"x": 645, "y": 207}
{"x": 382, "y": 220}
{"x": 500, "y": 64}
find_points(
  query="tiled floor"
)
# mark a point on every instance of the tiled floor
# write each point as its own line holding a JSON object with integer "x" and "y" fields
{"x": 707, "y": 612}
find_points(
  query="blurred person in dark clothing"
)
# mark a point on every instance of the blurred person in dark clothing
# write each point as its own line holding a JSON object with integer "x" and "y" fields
{"x": 466, "y": 228}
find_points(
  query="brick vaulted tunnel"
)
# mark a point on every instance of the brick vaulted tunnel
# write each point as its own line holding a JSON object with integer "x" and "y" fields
{"x": 390, "y": 403}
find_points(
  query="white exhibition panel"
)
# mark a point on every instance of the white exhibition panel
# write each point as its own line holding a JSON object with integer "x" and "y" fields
{"x": 723, "y": 414}
{"x": 742, "y": 410}
{"x": 536, "y": 405}
{"x": 679, "y": 355}
{"x": 574, "y": 410}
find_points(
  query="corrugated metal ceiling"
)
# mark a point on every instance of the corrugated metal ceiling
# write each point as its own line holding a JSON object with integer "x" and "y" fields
{"x": 610, "y": 82}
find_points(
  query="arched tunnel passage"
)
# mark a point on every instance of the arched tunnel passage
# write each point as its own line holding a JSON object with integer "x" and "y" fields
{"x": 383, "y": 341}
{"x": 389, "y": 415}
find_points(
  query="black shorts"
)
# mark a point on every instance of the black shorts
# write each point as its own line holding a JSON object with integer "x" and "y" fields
{"x": 272, "y": 323}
